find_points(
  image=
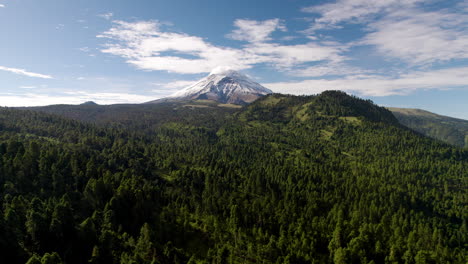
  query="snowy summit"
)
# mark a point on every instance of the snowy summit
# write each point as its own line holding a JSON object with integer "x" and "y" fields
{"x": 223, "y": 85}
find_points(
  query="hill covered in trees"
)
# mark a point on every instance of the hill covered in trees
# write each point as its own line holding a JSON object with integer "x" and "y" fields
{"x": 451, "y": 130}
{"x": 318, "y": 179}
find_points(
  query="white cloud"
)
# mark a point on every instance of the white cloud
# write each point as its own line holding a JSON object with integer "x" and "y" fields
{"x": 401, "y": 28}
{"x": 370, "y": 85}
{"x": 27, "y": 87}
{"x": 188, "y": 66}
{"x": 1, "y": 5}
{"x": 421, "y": 37}
{"x": 356, "y": 11}
{"x": 147, "y": 47}
{"x": 328, "y": 69}
{"x": 26, "y": 73}
{"x": 106, "y": 16}
{"x": 255, "y": 31}
{"x": 143, "y": 44}
{"x": 287, "y": 56}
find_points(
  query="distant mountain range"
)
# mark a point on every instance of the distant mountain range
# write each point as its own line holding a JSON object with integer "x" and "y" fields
{"x": 448, "y": 129}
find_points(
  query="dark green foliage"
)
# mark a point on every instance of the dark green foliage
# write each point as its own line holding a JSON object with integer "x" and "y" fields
{"x": 318, "y": 179}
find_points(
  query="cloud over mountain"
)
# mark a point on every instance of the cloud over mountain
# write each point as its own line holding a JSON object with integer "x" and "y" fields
{"x": 147, "y": 46}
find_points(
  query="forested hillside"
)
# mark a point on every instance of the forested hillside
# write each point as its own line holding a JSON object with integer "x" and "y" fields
{"x": 318, "y": 179}
{"x": 447, "y": 129}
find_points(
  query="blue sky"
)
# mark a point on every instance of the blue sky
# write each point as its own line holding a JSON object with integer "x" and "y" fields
{"x": 402, "y": 53}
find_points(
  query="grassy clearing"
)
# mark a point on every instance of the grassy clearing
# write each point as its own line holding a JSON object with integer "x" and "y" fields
{"x": 302, "y": 114}
{"x": 270, "y": 100}
{"x": 326, "y": 134}
{"x": 197, "y": 106}
{"x": 230, "y": 106}
{"x": 351, "y": 120}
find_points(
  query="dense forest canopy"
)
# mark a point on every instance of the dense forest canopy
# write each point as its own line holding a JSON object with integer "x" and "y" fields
{"x": 313, "y": 179}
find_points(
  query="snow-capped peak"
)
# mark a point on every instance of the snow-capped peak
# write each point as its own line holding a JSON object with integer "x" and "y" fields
{"x": 224, "y": 85}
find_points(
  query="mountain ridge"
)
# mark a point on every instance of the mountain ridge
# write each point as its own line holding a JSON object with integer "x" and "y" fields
{"x": 447, "y": 129}
{"x": 450, "y": 130}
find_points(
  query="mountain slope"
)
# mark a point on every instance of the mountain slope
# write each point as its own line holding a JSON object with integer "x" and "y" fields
{"x": 451, "y": 130}
{"x": 226, "y": 86}
{"x": 286, "y": 179}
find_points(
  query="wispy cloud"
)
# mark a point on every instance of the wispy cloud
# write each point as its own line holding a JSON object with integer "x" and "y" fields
{"x": 373, "y": 85}
{"x": 143, "y": 45}
{"x": 84, "y": 49}
{"x": 400, "y": 29}
{"x": 329, "y": 69}
{"x": 106, "y": 16}
{"x": 287, "y": 57}
{"x": 353, "y": 11}
{"x": 28, "y": 87}
{"x": 148, "y": 47}
{"x": 87, "y": 50}
{"x": 25, "y": 73}
{"x": 421, "y": 38}
{"x": 255, "y": 31}
{"x": 1, "y": 5}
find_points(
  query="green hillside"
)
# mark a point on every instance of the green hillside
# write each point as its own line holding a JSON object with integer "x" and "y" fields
{"x": 451, "y": 130}
{"x": 318, "y": 179}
